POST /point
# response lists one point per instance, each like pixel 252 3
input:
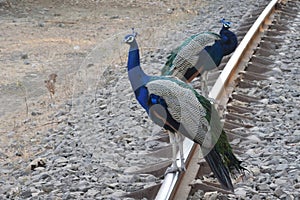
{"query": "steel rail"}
pixel 220 92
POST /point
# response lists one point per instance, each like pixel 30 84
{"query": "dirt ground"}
pixel 39 38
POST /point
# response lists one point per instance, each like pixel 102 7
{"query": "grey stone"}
pixel 170 10
pixel 26 62
pixel 48 187
pixel 297 186
pixel 41 24
pixel 256 197
pixel 24 56
pixel 255 170
pixel 240 192
pixel 103 106
pixel 26 194
pixel 285 197
pixel 254 138
pixel 263 187
pixel 282 167
pixel 273 186
pixel 92 192
pixel 61 25
pixel 211 195
pixel 44 176
pixel 35 113
pixel 278 192
pixel 279 174
pixel 128 178
pixel 83 186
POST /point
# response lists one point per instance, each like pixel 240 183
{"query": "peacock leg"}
pixel 204 87
pixel 174 167
pixel 179 139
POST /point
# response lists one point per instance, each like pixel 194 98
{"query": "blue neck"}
pixel 137 77
pixel 136 74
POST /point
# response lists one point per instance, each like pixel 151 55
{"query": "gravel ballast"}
pixel 104 133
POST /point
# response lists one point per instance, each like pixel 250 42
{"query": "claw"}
pixel 172 169
pixel 182 167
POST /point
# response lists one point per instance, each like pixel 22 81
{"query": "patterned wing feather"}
pixel 183 106
pixel 187 55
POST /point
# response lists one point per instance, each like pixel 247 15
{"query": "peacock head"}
pixel 130 38
pixel 226 24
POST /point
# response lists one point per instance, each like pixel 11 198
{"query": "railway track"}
pixel 249 64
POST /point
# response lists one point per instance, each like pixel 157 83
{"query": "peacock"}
pixel 178 108
pixel 199 53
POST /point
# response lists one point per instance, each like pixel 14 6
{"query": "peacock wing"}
pixel 189 53
pixel 183 106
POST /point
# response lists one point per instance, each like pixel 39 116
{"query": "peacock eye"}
pixel 130 39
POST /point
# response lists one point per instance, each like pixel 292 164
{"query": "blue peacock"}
pixel 177 107
pixel 199 53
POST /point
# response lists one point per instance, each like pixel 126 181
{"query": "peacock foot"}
pixel 182 168
pixel 174 169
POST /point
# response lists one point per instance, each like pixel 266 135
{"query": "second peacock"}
pixel 200 53
pixel 177 107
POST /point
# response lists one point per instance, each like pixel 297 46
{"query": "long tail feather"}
pixel 224 148
pixel 221 172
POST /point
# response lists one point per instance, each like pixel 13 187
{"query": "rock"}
pixel 26 194
pixel 48 187
pixel 35 113
pixel 266 169
pixel 3 155
pixel 102 107
pixel 278 192
pixel 107 191
pixel 254 138
pixel 24 56
pixel 114 17
pixel 83 186
pixel 280 181
pixel 240 192
pixel 92 192
pixel 66 196
pixel 255 170
pixel 282 167
pixel 18 153
pixel 38 162
pixel 44 176
pixel 5 188
pixel 293 139
pixel 170 10
pixel 273 186
pixel 297 186
pixel 211 195
pixel 222 197
pixel 128 178
pixel 263 187
pixel 61 161
pixel 235 141
pixel 256 197
pixel 26 62
pixel 285 197
pixel 41 24
pixel 279 174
